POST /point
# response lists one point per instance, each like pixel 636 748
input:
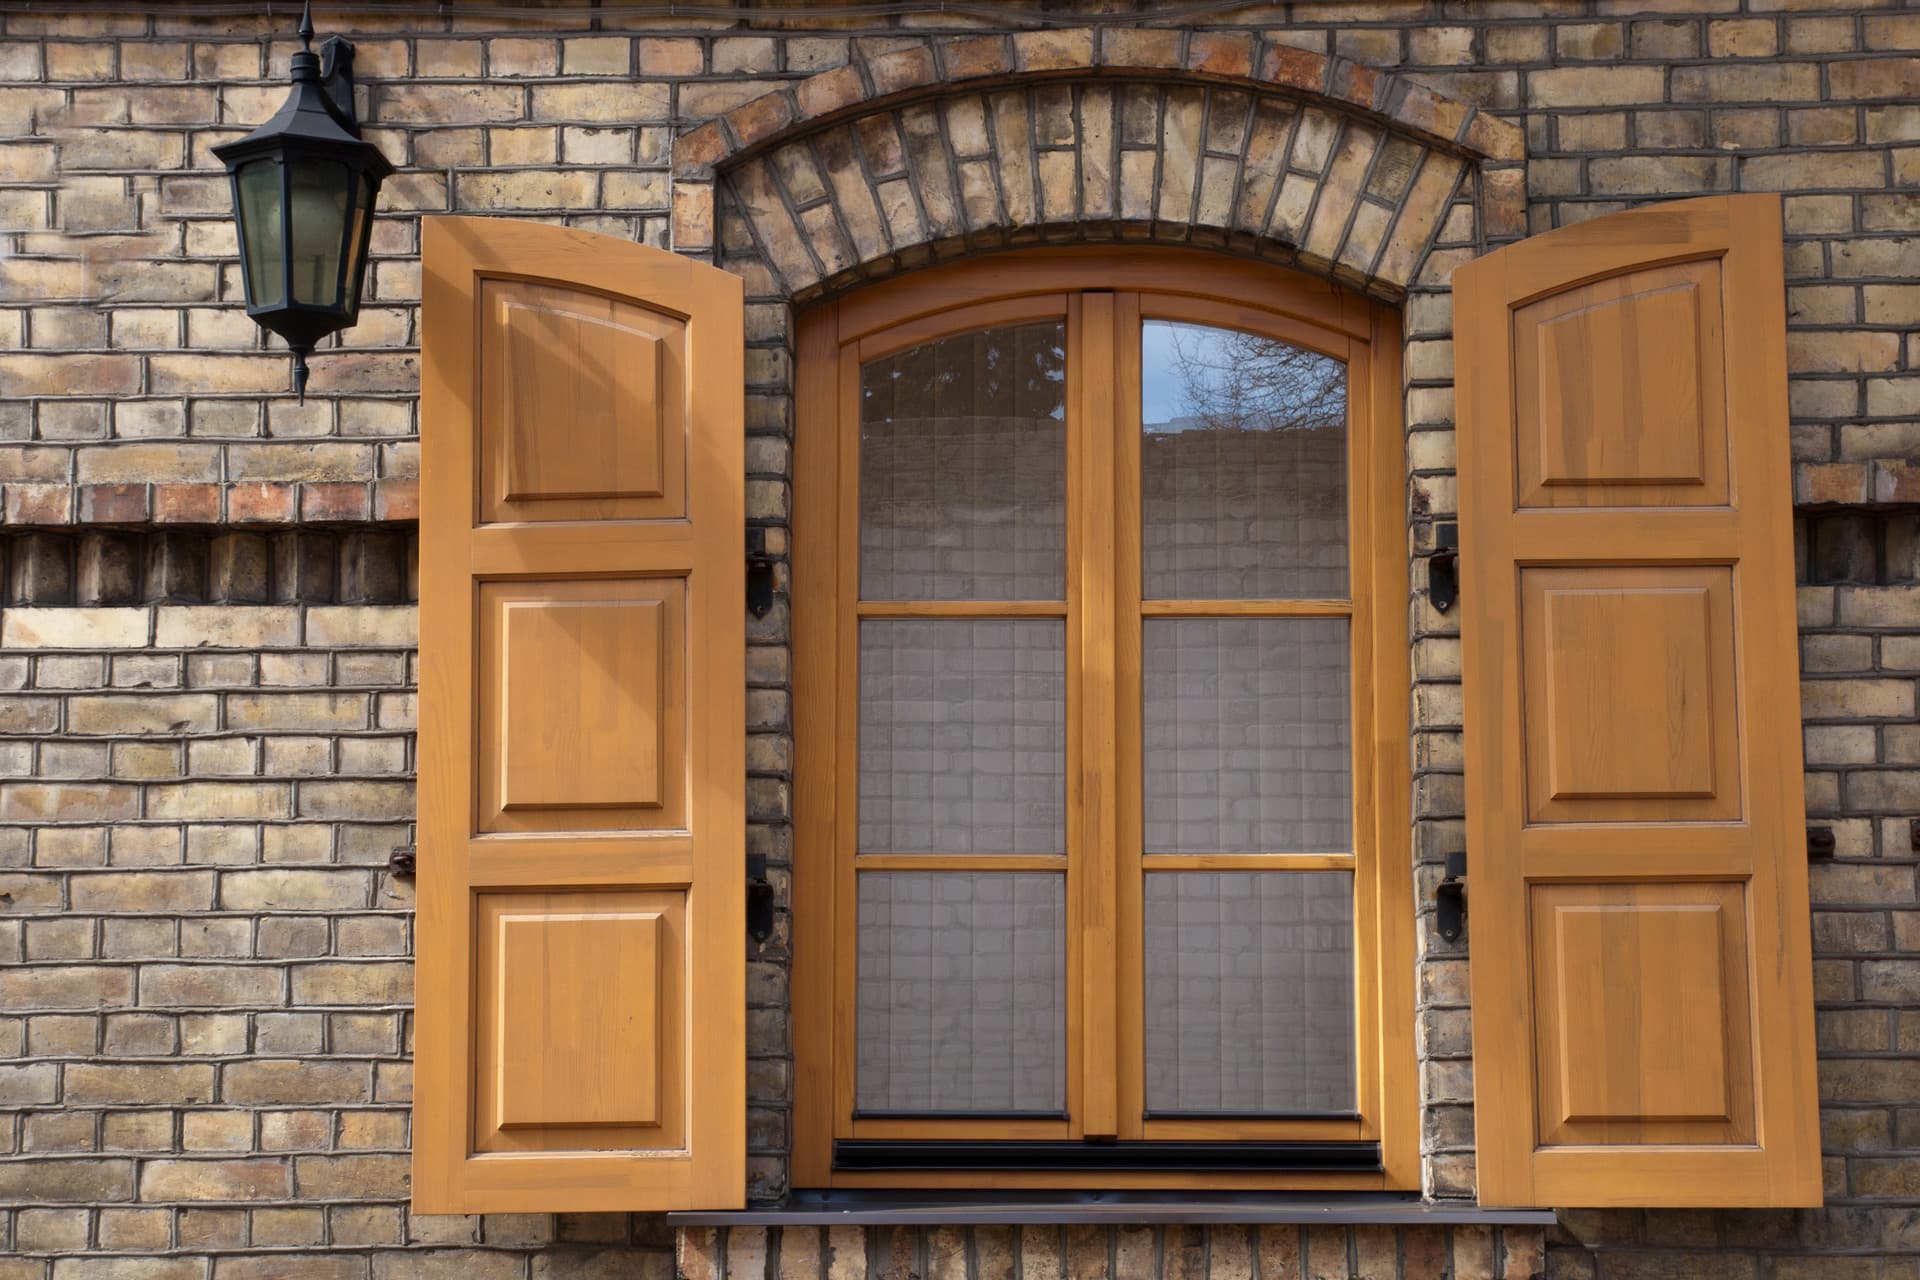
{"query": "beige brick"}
pixel 293 890
pixel 1856 699
pixel 347 984
pixel 73 628
pixel 223 800
pixel 88 1084
pixel 209 986
pixel 226 627
pixel 1595 86
pixel 143 891
pixel 277 711
pixel 367 626
pixel 295 1082
pixel 352 1177
pixel 192 1180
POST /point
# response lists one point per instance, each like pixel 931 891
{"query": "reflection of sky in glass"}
pixel 1163 397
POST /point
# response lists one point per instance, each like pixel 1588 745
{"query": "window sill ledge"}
pixel 868 1208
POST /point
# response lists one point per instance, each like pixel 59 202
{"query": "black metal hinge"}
pixel 759 898
pixel 1443 566
pixel 759 573
pixel 402 860
pixel 1450 898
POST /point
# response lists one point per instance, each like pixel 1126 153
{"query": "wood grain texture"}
pixel 1642 974
pixel 582 757
pixel 1103 296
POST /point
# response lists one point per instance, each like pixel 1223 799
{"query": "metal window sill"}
pixel 1132 1208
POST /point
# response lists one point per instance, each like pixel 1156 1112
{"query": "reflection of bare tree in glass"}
pixel 1236 381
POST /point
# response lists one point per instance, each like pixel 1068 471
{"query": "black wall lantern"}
pixel 304 186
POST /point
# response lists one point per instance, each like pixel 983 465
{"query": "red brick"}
pixel 1295 68
pixel 39 504
pixel 333 502
pixel 975 56
pixel 761 118
pixel 901 70
pixel 695 150
pixel 262 501
pixel 1830 482
pixel 830 91
pixel 186 503
pixel 1896 480
pixel 1220 53
pixel 113 503
pixel 1354 83
pixel 396 500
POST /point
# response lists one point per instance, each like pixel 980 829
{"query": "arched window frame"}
pixel 1094 287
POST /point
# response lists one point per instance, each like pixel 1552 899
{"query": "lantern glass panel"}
pixel 317 229
pixel 357 244
pixel 260 225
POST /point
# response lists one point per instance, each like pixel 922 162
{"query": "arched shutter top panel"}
pixel 581 1008
pixel 1636 827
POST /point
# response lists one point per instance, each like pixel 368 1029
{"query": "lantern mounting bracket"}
pixel 336 78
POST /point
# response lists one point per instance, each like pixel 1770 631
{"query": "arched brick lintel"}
pixel 1216 138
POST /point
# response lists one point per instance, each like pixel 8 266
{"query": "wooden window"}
pixel 581 1036
pixel 1642 972
pixel 1101 707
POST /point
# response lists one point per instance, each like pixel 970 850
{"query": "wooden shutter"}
pixel 581 1006
pixel 1636 827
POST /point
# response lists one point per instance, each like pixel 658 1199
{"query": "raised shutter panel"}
pixel 1636 826
pixel 580 1037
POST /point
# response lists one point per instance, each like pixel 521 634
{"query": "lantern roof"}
pixel 308 119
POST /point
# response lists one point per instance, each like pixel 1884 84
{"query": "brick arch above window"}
pixel 1224 140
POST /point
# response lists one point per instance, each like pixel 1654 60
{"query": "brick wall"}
pixel 204 644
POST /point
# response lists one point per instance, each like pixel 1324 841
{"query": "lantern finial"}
pixel 306 25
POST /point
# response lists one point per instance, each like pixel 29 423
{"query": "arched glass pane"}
pixel 1243 468
pixel 963 468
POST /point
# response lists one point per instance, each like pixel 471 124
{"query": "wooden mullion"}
pixel 961 609
pixel 969 862
pixel 1246 608
pixel 1094 784
pixel 1249 862
pixel 1129 969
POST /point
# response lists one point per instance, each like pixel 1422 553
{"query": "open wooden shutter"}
pixel 1636 827
pixel 581 1006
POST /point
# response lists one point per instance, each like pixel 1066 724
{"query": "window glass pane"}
pixel 1248 741
pixel 1243 467
pixel 963 736
pixel 961 992
pixel 1249 992
pixel 963 468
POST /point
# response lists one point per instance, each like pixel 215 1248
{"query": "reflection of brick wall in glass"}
pixel 1249 992
pixel 1243 467
pixel 962 736
pixel 1248 736
pixel 961 992
pixel 963 468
